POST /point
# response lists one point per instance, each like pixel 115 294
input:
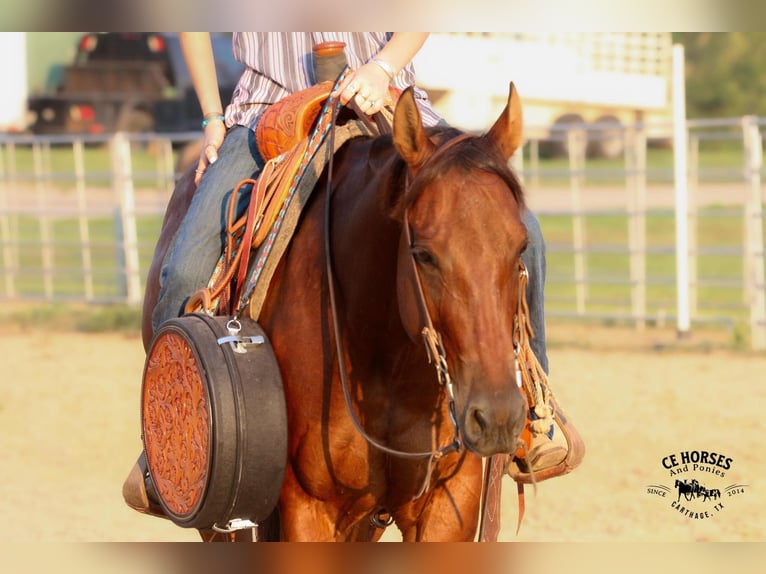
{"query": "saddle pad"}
pixel 270 251
pixel 214 421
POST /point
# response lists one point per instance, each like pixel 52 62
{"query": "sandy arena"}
pixel 69 428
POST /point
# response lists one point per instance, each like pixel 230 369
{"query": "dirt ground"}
pixel 69 433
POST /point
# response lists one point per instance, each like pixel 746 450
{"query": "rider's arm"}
pixel 401 49
pixel 368 85
pixel 198 53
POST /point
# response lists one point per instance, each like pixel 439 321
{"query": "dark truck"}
pixel 134 82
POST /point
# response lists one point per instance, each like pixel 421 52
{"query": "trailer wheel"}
pixel 556 145
pixel 606 139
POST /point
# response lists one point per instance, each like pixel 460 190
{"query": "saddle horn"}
pixel 329 60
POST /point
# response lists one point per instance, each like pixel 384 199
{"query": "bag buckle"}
pixel 239 343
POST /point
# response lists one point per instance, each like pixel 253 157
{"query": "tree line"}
pixel 725 73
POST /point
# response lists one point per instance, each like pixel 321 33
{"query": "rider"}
pixel 276 65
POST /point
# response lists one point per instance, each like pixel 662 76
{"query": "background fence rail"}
pixel 79 217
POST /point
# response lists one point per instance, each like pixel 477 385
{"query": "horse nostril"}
pixel 481 422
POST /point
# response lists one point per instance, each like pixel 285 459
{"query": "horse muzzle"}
pixel 492 422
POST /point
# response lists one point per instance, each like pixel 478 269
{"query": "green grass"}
pixel 719 264
pixel 65 250
pixel 607 263
pixel 82 318
pixel 719 293
pixel 721 161
pixel 57 162
pixel 718 162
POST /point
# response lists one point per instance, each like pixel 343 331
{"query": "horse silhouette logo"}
pixel 694 489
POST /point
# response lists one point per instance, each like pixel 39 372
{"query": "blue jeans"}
pixel 534 260
pixel 199 241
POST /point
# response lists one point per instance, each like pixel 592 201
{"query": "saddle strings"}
pixel 530 371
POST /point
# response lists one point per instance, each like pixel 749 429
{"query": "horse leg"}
pixel 302 517
pixel 451 512
pixel 269 530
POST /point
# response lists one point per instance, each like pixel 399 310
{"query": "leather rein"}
pixel 434 348
pixel 431 337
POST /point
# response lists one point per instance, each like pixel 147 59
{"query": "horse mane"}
pixel 473 154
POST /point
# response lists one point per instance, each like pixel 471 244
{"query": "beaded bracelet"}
pixel 207 120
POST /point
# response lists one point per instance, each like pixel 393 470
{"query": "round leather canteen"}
pixel 214 421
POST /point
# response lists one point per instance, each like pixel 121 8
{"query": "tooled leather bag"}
pixel 214 422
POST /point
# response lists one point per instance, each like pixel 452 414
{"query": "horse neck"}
pixel 365 240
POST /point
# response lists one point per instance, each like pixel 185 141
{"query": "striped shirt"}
pixel 278 64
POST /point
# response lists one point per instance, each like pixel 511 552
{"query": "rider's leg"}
pixel 535 262
pixel 547 450
pixel 198 244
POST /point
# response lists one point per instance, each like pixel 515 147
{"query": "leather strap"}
pixel 489 525
pixel 257 199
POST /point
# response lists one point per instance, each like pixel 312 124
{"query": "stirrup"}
pixel 519 471
pixel 138 490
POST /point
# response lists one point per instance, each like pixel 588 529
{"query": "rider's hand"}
pixel 213 138
pixel 368 86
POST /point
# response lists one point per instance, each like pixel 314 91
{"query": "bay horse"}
pixel 425 226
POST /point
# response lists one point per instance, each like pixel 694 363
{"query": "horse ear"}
pixel 410 137
pixel 507 132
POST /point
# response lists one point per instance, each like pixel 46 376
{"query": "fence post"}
pixel 534 161
pixel 5 225
pixel 693 182
pixel 516 164
pixel 42 180
pixel 165 168
pixel 635 158
pixel 576 144
pixel 125 220
pixel 680 135
pixel 755 286
pixel 78 151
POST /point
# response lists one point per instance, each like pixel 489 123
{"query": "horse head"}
pixel 459 264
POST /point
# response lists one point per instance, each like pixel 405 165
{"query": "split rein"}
pixel 434 347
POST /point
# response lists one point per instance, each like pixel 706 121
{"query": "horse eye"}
pixel 424 257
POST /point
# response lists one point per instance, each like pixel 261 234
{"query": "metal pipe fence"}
pixel 79 217
pixel 592 210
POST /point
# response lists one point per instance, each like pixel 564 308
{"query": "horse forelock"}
pixel 470 155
